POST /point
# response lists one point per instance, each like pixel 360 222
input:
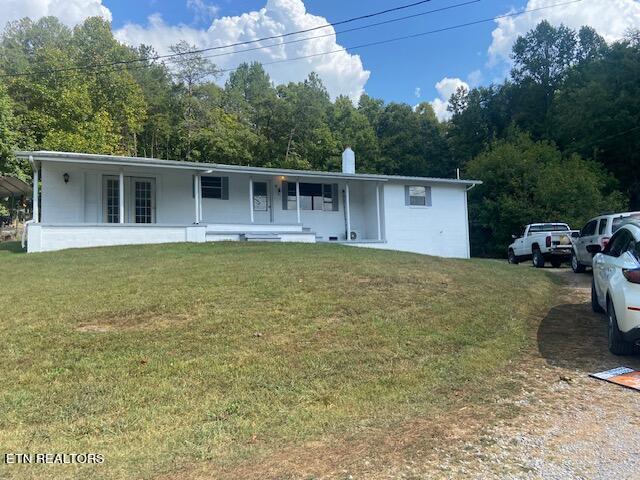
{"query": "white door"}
pixel 588 236
pixel 140 204
pixel 262 202
pixel 139 199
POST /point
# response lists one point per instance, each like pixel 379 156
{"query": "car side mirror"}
pixel 514 237
pixel 593 249
pixel 575 234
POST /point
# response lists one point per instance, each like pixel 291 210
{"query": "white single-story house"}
pixel 92 200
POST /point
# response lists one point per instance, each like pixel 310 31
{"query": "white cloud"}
pixel 70 12
pixel 475 78
pixel 342 73
pixel 445 88
pixel 610 18
pixel 203 11
pixel 417 92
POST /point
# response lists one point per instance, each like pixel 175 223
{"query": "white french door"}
pixel 139 199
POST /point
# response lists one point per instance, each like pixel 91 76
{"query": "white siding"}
pixel 439 230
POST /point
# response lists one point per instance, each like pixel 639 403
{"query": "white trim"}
pixel 199 198
pixel 298 200
pixel 378 211
pixel 251 199
pixel 195 199
pixel 35 207
pixel 86 158
pixel 347 208
pixel 121 197
pixel 466 223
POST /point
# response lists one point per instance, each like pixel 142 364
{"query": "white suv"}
pixel 616 288
pixel 594 237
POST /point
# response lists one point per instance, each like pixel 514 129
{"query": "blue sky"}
pixel 429 68
pixel 396 69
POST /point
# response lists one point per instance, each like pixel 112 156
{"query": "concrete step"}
pixel 260 237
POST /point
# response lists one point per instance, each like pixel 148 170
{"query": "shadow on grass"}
pixel 11 247
pixel 572 336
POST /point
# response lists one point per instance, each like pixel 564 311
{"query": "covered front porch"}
pixel 114 202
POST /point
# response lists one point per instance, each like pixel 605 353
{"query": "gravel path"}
pixel 568 425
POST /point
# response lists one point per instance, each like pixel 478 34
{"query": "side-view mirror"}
pixel 514 236
pixel 593 249
pixel 575 234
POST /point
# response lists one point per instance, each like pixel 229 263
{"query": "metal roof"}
pixel 11 186
pixel 90 158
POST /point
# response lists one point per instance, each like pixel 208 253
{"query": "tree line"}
pixel 558 140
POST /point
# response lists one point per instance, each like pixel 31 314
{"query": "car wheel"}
pixel 617 345
pixel 511 258
pixel 595 306
pixel 556 263
pixel 576 266
pixel 538 259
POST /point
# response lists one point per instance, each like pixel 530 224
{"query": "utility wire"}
pixel 354 29
pixel 237 44
pixel 370 44
pixel 412 36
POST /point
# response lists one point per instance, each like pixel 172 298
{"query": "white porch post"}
pixel 251 199
pixel 196 198
pixel 298 200
pixel 35 206
pixel 199 198
pixel 378 211
pixel 347 210
pixel 121 197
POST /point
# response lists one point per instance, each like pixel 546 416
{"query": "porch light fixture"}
pixel 66 177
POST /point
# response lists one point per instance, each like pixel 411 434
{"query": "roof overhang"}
pixel 89 158
pixel 12 186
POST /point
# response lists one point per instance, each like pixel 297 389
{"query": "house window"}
pixel 112 212
pixel 215 187
pixel 313 196
pixel 417 196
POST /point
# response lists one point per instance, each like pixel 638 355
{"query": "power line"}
pixel 415 35
pixel 376 43
pixel 354 29
pixel 237 44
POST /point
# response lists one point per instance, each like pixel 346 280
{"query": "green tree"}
pixel 8 137
pixel 191 71
pixel 352 128
pixel 597 114
pixel 526 181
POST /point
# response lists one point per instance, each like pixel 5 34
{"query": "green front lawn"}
pixel 171 359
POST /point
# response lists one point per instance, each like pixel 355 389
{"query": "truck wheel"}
pixel 595 306
pixel 511 258
pixel 538 259
pixel 556 263
pixel 617 345
pixel 576 266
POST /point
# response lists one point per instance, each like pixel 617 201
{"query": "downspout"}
pixel 466 212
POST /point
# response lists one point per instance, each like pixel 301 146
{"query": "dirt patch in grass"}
pixel 110 322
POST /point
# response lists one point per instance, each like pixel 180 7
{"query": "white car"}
pixel 616 288
pixel 594 237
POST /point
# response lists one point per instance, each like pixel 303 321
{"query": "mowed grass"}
pixel 170 358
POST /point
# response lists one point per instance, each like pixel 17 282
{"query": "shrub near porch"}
pixel 197 355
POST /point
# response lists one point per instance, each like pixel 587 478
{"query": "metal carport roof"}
pixel 12 186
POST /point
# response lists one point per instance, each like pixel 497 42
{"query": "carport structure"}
pixel 14 191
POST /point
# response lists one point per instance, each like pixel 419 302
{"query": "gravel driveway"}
pixel 568 425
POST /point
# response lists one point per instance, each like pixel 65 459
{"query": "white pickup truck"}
pixel 542 242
